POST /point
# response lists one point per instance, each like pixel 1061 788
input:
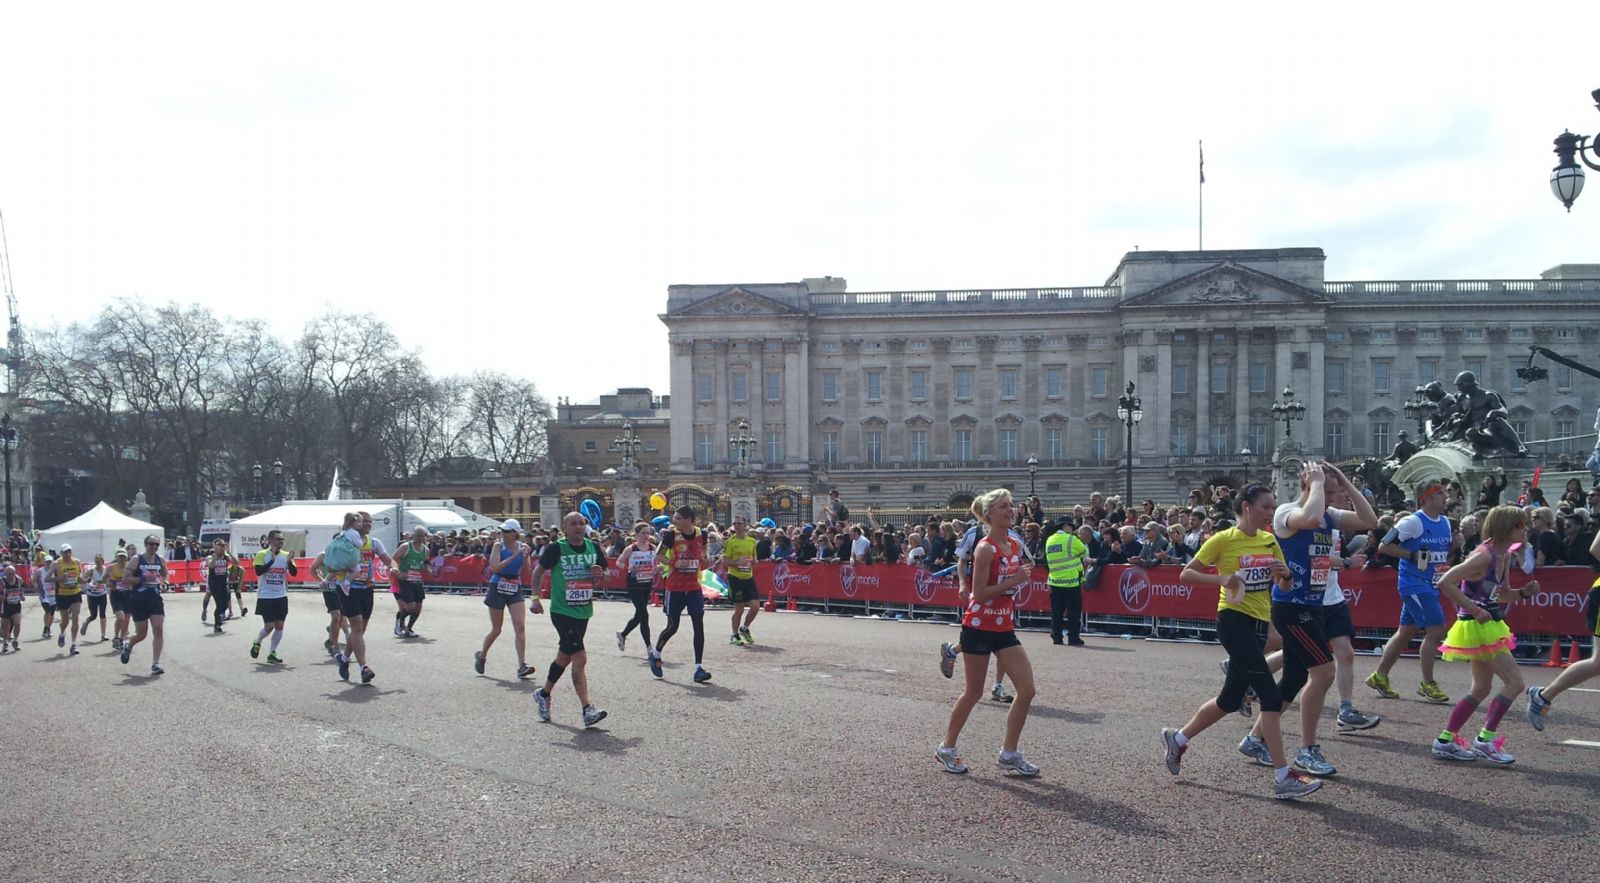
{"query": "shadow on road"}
pixel 1062 714
pixel 1477 812
pixel 713 691
pixel 130 679
pixel 54 657
pixel 518 685
pixel 1082 806
pixel 596 741
pixel 267 668
pixel 359 693
pixel 761 648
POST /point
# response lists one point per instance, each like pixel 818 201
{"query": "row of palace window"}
pixel 1007 448
pixel 1010 380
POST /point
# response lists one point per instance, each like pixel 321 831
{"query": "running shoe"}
pixel 47 631
pixel 61 639
pixel 998 691
pixel 655 665
pixel 1429 691
pixel 1247 705
pixel 951 760
pixel 255 650
pixel 328 646
pixel 1014 762
pixel 116 643
pixel 408 633
pixel 1493 751
pixel 1169 738
pixel 622 642
pixel 244 611
pixel 5 647
pixel 541 704
pixel 1296 785
pixel 367 674
pixel 524 670
pixel 592 716
pixel 1309 759
pixel 273 657
pixel 1452 750
pixel 1353 720
pixel 477 661
pixel 127 651
pixel 344 665
pixel 156 669
pixel 74 649
pixel 701 675
pixel 947 659
pixel 1223 664
pixel 1538 708
pixel 736 641
pixel 16 646
pixel 1380 682
pixel 84 630
pixel 397 629
pixel 1256 750
pixel 749 640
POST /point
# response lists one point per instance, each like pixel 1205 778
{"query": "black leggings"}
pixel 697 618
pixel 641 613
pixel 220 596
pixel 1243 637
pixel 97 608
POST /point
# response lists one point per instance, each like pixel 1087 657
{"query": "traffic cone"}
pixel 655 598
pixel 793 604
pixel 771 605
pixel 1555 654
pixel 1574 656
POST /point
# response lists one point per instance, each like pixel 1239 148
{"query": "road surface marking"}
pixel 1580 743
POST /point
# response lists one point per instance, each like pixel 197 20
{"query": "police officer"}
pixel 1066 555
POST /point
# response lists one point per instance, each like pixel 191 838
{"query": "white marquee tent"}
pixel 307 525
pixel 97 531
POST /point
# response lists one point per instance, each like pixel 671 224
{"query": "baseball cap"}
pixel 511 524
pixel 66 547
pixel 1152 525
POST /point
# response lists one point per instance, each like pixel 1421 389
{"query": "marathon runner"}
pixel 95 591
pixel 44 580
pixel 1421 541
pixel 1539 698
pixel 68 573
pixel 273 569
pixel 509 557
pixel 639 557
pixel 217 565
pixel 118 574
pixel 148 571
pixel 236 584
pixel 331 602
pixel 411 562
pixel 13 590
pixel 576 565
pixel 948 652
pixel 739 554
pixel 356 604
pixel 683 552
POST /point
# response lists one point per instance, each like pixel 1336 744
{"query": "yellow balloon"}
pixel 658 502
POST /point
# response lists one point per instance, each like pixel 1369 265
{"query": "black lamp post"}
pixel 1566 179
pixel 1130 412
pixel 8 437
pixel 1419 409
pixel 628 444
pixel 277 482
pixel 742 441
pixel 255 497
pixel 1289 410
pixel 1033 471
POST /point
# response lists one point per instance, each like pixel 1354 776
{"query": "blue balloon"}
pixel 590 510
pixel 661 522
pixel 769 524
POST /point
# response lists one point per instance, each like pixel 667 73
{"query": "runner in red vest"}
pixel 683 553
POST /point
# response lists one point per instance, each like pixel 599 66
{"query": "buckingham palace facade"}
pixel 921 398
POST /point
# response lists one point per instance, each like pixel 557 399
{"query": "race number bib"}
pixel 1256 571
pixel 1320 567
pixel 580 591
pixel 686 565
pixel 1432 563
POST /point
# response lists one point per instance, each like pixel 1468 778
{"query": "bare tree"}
pixel 505 420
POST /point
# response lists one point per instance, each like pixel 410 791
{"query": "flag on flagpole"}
pixel 1202 162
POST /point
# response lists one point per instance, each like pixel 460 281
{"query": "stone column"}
pixel 1241 394
pixel 1161 441
pixel 719 433
pixel 683 402
pixel 796 405
pixel 1316 389
pixel 1202 397
pixel 756 389
pixel 626 508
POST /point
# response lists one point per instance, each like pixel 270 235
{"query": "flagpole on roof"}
pixel 1202 196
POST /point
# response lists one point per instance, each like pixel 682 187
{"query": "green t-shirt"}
pixel 735 550
pixel 571 584
pixel 412 560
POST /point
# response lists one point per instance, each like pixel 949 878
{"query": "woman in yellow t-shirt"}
pixel 1247 561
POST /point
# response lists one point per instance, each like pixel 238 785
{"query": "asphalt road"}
pixel 808 757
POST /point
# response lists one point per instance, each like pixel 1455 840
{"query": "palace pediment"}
pixel 736 303
pixel 1229 285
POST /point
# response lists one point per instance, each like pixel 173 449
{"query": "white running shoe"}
pixel 1493 751
pixel 1014 762
pixel 950 758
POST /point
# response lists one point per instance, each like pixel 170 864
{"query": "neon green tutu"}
pixel 1470 639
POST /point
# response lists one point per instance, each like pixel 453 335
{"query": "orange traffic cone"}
pixel 1574 656
pixel 771 605
pixel 655 599
pixel 793 604
pixel 1555 654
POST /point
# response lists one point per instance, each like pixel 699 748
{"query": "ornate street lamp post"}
pixel 1033 471
pixel 741 442
pixel 1419 409
pixel 255 496
pixel 1289 410
pixel 627 444
pixel 1566 179
pixel 1130 411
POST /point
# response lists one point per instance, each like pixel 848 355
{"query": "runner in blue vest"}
pixel 1421 541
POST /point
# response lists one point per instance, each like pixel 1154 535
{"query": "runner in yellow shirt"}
pixel 68 572
pixel 739 553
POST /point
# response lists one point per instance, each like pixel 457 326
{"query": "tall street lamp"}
pixel 255 495
pixel 1419 409
pixel 277 482
pixel 1566 179
pixel 627 444
pixel 1289 410
pixel 8 437
pixel 741 442
pixel 1130 412
pixel 1033 471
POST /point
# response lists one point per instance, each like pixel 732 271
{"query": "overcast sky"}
pixel 554 167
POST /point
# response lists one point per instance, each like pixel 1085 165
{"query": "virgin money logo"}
pixel 1023 592
pixel 784 579
pixel 928 585
pixel 847 579
pixel 1135 589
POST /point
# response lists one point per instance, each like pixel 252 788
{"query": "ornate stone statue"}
pixel 1403 449
pixel 1446 423
pixel 1483 414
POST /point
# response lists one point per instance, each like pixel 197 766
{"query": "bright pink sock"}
pixel 1497 710
pixel 1461 713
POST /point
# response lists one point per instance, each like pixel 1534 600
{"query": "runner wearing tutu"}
pixel 1481 637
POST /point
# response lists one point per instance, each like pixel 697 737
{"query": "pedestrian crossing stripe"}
pixel 1579 743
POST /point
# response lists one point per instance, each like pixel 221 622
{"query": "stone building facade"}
pixel 922 398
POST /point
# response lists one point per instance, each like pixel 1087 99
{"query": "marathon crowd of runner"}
pixel 1275 568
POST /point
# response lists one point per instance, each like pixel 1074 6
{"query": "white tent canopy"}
pixel 309 524
pixel 97 531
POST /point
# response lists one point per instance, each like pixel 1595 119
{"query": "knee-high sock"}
pixel 1461 713
pixel 277 635
pixel 1497 710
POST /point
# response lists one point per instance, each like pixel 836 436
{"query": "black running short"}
pixel 49 606
pixel 357 603
pixel 412 592
pixel 273 609
pixel 1336 622
pixel 569 633
pixel 119 601
pixel 1300 625
pixel 65 601
pixel 330 600
pixel 981 643
pixel 742 590
pixel 496 599
pixel 12 608
pixel 145 604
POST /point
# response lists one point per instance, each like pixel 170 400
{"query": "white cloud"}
pixel 514 186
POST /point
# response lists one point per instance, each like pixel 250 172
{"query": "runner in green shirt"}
pixel 576 565
pixel 739 554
